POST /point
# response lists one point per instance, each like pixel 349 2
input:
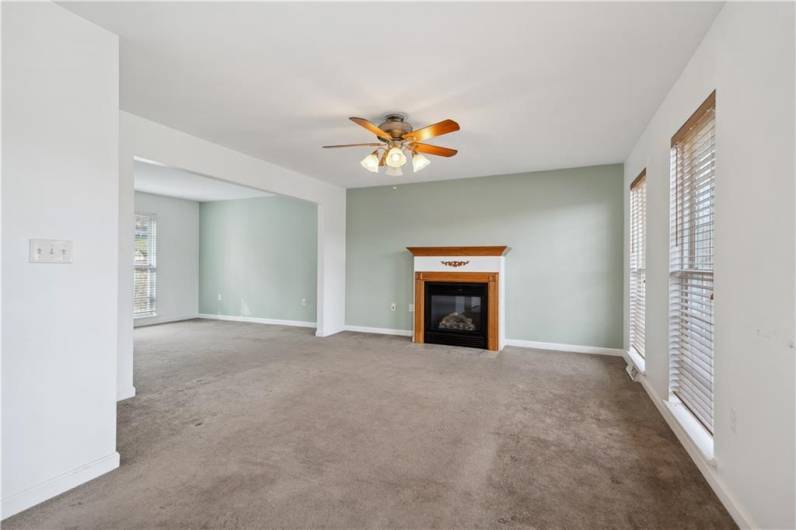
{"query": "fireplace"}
pixel 459 296
pixel 456 314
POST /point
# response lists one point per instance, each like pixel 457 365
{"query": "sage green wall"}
pixel 260 255
pixel 564 269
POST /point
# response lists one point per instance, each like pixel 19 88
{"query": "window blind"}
pixel 638 265
pixel 145 266
pixel 691 262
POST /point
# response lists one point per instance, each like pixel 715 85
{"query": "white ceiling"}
pixel 182 184
pixel 533 85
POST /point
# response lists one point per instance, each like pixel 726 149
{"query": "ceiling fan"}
pixel 396 139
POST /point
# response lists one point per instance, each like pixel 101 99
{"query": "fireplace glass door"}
pixel 456 314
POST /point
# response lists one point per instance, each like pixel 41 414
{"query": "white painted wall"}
pixel 60 146
pixel 177 257
pixel 748 57
pixel 173 182
pixel 153 141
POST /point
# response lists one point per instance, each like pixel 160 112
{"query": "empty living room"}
pixel 407 265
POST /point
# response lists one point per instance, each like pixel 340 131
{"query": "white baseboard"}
pixel 708 467
pixel 321 333
pixel 564 347
pixel 125 393
pixel 509 342
pixel 258 320
pixel 153 321
pixel 380 331
pixel 25 499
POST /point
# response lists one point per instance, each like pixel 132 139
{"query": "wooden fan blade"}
pixel 437 129
pixel 351 145
pixel 362 122
pixel 434 150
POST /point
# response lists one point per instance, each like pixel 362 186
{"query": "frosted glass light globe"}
pixel 395 157
pixel 419 162
pixel 371 163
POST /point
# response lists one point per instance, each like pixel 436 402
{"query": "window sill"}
pixel 695 431
pixel 633 357
pixel 144 315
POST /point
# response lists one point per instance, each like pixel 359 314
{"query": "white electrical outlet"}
pixel 219 297
pixel 411 308
pixel 393 307
pixel 50 251
pixel 303 301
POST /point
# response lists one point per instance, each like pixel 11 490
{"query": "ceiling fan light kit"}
pixel 419 162
pixel 397 138
pixel 396 157
pixel 371 162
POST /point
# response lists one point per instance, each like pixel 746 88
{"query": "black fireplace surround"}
pixel 456 314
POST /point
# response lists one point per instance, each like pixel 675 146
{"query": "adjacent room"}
pixel 398 265
pixel 210 248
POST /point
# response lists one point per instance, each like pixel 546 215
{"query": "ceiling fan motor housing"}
pixel 395 123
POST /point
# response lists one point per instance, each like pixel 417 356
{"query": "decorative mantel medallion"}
pixel 455 263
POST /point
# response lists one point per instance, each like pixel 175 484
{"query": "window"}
pixel 691 263
pixel 145 266
pixel 638 259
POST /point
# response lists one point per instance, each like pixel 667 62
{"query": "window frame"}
pixel 691 265
pixel 637 265
pixel 150 267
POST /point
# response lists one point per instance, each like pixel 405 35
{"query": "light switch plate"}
pixel 50 251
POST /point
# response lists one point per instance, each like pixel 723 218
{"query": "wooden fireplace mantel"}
pixel 497 250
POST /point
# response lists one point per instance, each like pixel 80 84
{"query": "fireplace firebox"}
pixel 456 313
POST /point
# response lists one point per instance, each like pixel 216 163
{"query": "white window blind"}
pixel 691 263
pixel 638 265
pixel 145 266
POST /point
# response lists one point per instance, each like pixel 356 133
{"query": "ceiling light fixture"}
pixel 419 162
pixel 395 157
pixel 371 162
pixel 396 138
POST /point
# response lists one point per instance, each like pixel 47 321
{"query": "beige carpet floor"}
pixel 251 426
